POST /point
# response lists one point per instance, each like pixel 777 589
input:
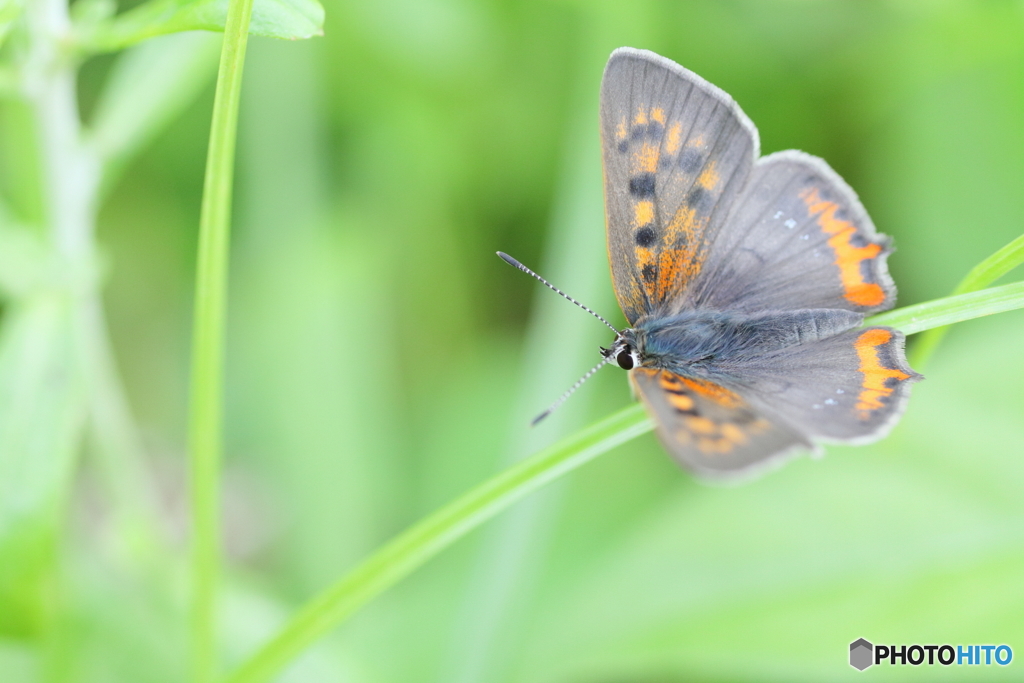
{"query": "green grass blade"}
pixel 952 309
pixel 205 409
pixel 424 540
pixel 435 533
pixel 982 275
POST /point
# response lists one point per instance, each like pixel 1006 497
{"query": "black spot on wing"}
pixel 857 240
pixel 649 273
pixel 690 160
pixel 645 236
pixel 642 185
pixel 699 199
pixel 652 130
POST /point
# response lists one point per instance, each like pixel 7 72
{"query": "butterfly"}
pixel 745 280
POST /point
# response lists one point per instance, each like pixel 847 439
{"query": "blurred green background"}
pixel 382 360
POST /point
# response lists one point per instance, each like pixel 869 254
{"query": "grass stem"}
pixel 428 537
pixel 982 275
pixel 931 315
pixel 206 391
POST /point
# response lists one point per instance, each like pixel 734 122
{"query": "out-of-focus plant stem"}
pixel 206 409
pixel 71 174
pixel 982 275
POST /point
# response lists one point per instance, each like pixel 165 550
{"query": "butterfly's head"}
pixel 623 350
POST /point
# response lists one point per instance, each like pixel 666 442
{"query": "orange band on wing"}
pixel 675 138
pixel 848 256
pixel 680 259
pixel 667 256
pixel 709 435
pixel 645 159
pixel 643 213
pixel 670 268
pixel 714 392
pixel 709 177
pixel 621 131
pixel 875 374
pixel 669 381
pixel 680 402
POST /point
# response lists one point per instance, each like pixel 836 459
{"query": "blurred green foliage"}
pixel 382 360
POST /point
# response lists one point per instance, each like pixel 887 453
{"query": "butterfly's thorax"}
pixel 716 344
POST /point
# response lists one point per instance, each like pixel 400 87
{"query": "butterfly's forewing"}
pixel 710 429
pixel 849 387
pixel 798 238
pixel 676 152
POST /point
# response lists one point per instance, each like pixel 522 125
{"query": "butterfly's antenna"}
pixel 573 388
pixel 512 262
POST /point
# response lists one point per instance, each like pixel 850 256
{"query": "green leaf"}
pixel 42 409
pixel 292 19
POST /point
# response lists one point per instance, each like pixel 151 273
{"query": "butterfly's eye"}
pixel 625 358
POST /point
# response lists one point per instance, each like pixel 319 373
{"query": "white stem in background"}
pixel 70 174
pixel 70 171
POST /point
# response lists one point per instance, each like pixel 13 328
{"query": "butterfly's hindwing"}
pixel 710 429
pixel 850 387
pixel 676 151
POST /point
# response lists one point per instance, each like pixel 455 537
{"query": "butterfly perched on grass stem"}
pixel 745 280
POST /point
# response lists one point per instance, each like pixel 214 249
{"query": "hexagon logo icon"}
pixel 861 654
